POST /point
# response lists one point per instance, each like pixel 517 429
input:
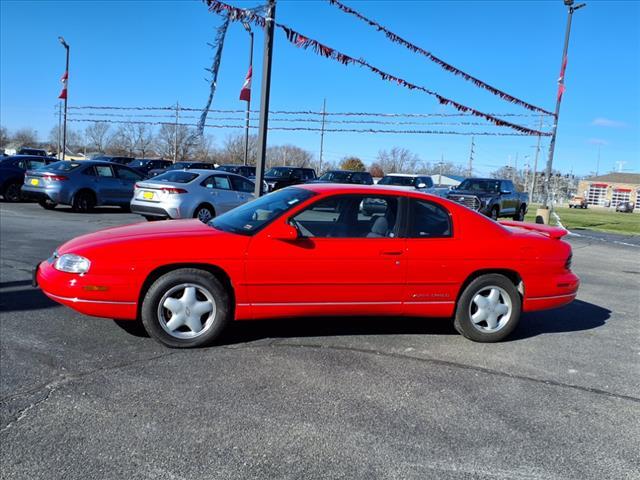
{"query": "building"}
pixel 611 189
pixel 446 180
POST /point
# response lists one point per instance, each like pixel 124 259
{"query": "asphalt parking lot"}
pixel 80 398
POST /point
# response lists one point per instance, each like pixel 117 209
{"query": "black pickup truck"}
pixel 492 197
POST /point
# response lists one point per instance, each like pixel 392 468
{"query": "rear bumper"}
pixel 69 290
pixel 149 210
pixel 40 194
pixel 566 289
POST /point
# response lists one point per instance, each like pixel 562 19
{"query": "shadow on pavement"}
pixel 97 210
pixel 24 299
pixel 16 283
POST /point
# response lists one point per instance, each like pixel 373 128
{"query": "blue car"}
pixel 12 170
pixel 83 185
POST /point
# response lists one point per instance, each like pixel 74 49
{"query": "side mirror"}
pixel 283 231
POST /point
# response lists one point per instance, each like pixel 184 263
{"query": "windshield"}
pixel 393 180
pixel 178 166
pixel 175 177
pixel 480 185
pixel 138 163
pixel 334 176
pixel 278 172
pixel 62 166
pixel 253 216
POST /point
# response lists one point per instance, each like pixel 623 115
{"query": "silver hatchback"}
pixel 201 194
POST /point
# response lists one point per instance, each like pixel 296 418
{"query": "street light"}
pixel 552 144
pixel 66 73
pixel 247 27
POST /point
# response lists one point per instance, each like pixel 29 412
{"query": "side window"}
pixel 21 164
pixel 104 171
pixel 89 171
pixel 356 178
pixel 349 216
pixel 217 181
pixel 127 174
pixel 241 185
pixel 428 220
pixel 34 163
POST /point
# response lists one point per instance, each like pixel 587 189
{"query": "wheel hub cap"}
pixel 490 309
pixel 186 311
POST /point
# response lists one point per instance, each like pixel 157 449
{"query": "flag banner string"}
pixel 310 129
pixel 304 42
pixel 448 67
pixel 297 112
pixel 293 120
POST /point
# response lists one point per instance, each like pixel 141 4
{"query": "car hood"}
pixel 141 233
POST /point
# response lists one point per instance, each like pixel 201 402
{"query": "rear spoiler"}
pixel 551 232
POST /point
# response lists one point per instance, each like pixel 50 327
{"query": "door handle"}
pixel 391 253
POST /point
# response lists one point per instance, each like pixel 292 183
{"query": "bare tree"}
pixel 288 155
pixel 376 170
pixel 124 140
pixel 4 137
pixel 25 137
pixel 75 140
pixel 144 139
pixel 398 160
pixel 233 150
pixel 97 136
pixel 204 150
pixel 181 140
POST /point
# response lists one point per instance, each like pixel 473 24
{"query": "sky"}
pixel 154 53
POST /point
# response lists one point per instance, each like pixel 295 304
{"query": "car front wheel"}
pixel 488 309
pixel 12 193
pixel 186 308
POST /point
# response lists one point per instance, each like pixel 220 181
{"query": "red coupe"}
pixel 316 250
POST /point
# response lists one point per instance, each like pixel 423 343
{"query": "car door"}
pixel 344 261
pixel 107 185
pixel 128 179
pixel 508 199
pixel 243 188
pixel 432 259
pixel 220 192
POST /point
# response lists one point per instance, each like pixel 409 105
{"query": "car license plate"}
pixel 147 195
pixel 35 181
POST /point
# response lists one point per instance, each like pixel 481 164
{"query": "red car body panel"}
pixel 318 276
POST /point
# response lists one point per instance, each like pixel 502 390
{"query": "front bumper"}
pixel 72 291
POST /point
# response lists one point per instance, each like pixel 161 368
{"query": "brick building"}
pixel 611 189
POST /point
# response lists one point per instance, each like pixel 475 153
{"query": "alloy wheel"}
pixel 490 309
pixel 186 311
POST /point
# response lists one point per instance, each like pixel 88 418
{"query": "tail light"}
pixel 55 178
pixel 173 190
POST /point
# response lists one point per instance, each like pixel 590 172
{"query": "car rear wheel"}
pixel 186 308
pixel 12 193
pixel 519 216
pixel 204 213
pixel 83 202
pixel 489 309
pixel 47 204
pixel 495 211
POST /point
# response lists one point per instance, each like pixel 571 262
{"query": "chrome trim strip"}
pixel 553 297
pixel 319 304
pixel 80 300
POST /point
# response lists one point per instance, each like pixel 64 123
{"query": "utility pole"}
pixel 59 128
pixel 66 97
pixel 552 144
pixel 515 171
pixel 535 164
pixel 175 135
pixel 247 27
pixel 264 96
pixel 470 174
pixel 324 113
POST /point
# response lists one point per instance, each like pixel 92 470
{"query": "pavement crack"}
pixel 462 366
pixel 23 413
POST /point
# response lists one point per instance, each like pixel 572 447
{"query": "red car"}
pixel 313 250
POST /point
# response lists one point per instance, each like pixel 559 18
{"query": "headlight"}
pixel 71 263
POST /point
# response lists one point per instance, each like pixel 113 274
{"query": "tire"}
pixel 12 192
pixel 519 216
pixel 204 213
pixel 83 202
pixel 176 295
pixel 495 212
pixel 490 326
pixel 47 204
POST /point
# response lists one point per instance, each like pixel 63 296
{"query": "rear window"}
pixel 63 166
pixel 176 176
pixel 393 180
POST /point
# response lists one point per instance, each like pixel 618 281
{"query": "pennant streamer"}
pixel 305 42
pixel 448 67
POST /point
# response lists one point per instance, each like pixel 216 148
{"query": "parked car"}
pixel 247 171
pixel 119 160
pixel 578 202
pixel 345 176
pixel 200 194
pixel 405 181
pixel 12 170
pixel 34 152
pixel 280 177
pixel 181 166
pixel 145 165
pixel 308 251
pixel 625 207
pixel 83 185
pixel 492 197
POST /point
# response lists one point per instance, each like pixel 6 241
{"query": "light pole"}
pixel 66 96
pixel 247 27
pixel 563 65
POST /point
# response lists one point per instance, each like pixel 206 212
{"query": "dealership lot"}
pixel 317 398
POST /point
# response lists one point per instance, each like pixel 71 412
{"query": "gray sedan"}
pixel 201 194
pixel 83 185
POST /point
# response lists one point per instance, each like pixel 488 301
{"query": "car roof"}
pixel 348 188
pixel 410 175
